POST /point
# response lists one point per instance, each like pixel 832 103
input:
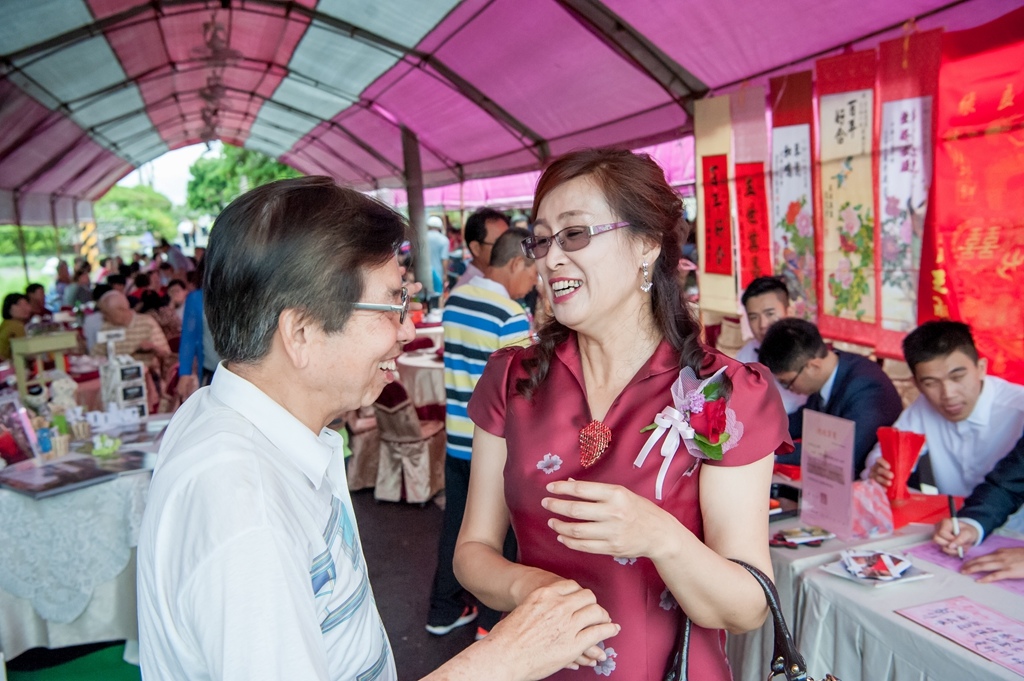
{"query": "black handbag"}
pixel 786 660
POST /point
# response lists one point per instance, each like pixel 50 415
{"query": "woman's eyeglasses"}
pixel 569 239
pixel 402 309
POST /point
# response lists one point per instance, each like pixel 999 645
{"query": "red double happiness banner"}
pixel 718 229
pixel 755 233
pixel 973 252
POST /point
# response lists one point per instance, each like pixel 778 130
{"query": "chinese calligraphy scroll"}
pixel 717 224
pixel 908 78
pixel 793 236
pixel 847 246
pixel 750 148
pixel 713 137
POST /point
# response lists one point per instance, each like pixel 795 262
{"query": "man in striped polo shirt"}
pixel 480 317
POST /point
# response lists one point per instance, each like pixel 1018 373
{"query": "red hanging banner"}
pixel 755 235
pixel 974 248
pixel 718 234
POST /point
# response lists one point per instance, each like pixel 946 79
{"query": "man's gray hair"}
pixel 292 244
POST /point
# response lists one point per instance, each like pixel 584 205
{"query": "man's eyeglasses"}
pixel 402 309
pixel 790 382
pixel 569 239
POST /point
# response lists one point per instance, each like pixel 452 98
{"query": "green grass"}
pixel 12 273
pixel 103 665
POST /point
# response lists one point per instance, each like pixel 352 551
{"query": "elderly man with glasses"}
pixel 250 562
pixel 837 383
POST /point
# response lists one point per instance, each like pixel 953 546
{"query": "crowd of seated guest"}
pixel 146 297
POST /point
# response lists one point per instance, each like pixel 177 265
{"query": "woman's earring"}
pixel 648 284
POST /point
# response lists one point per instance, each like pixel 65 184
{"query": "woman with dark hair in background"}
pixel 563 429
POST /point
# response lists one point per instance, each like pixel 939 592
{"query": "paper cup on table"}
pixel 61 444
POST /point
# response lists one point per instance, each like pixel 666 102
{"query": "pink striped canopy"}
pixel 90 89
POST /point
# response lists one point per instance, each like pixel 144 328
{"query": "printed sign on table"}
pixel 982 630
pixel 931 552
pixel 826 471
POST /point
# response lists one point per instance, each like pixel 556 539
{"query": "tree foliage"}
pixel 135 210
pixel 217 180
pixel 38 240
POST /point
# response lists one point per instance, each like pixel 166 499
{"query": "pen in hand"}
pixel 956 525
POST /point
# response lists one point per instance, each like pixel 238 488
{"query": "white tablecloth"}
pixel 434 333
pixel 422 374
pixel 66 568
pixel 852 631
pixel 749 653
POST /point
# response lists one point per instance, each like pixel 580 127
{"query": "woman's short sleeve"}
pixel 489 402
pixel 758 410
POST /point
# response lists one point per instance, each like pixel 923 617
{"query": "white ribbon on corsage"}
pixel 673 425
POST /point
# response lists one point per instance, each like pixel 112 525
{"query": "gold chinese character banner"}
pixel 973 253
pixel 847 248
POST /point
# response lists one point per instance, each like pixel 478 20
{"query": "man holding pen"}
pixel 988 507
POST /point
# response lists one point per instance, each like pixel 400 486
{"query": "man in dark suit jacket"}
pixel 838 383
pixel 988 507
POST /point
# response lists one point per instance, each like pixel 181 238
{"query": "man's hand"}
pixel 187 385
pixel 881 473
pixel 556 626
pixel 949 542
pixel 1000 564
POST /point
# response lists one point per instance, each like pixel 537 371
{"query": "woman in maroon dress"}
pixel 645 517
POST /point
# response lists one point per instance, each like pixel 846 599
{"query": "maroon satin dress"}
pixel 542 436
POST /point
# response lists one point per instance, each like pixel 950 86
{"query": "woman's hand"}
pixel 606 519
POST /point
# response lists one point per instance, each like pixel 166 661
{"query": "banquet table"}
pixel 434 333
pixel 67 568
pixel 422 374
pixel 749 653
pixel 852 630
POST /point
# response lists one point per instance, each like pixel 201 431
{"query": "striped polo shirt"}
pixel 479 318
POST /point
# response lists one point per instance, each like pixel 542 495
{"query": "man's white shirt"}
pixel 250 564
pixel 963 453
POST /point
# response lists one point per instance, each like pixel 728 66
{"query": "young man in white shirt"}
pixel 250 563
pixel 766 301
pixel 970 420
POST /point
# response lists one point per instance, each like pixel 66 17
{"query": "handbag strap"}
pixel 786 659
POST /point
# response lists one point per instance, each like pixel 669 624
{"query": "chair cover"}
pixel 364 441
pixel 411 452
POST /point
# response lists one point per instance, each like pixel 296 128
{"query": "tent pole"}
pixel 417 217
pixel 24 257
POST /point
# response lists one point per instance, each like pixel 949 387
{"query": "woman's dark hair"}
pixel 10 300
pixel 635 188
pixel 151 300
pixel 300 244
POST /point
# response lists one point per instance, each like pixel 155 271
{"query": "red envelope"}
pixel 900 449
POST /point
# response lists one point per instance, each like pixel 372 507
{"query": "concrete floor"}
pixel 400 544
